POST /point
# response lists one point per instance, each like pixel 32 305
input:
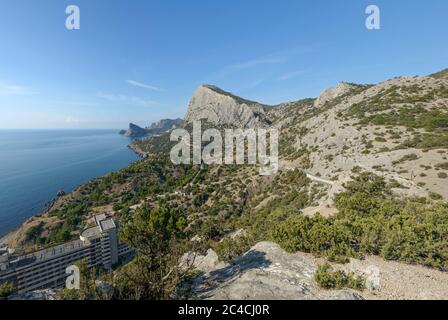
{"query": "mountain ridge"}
pixel 335 115
pixel 155 128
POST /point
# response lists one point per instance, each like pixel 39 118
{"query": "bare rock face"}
pixel 135 131
pixel 204 263
pixel 266 272
pixel 340 89
pixel 222 108
pixel 164 125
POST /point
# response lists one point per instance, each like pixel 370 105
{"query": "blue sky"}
pixel 141 60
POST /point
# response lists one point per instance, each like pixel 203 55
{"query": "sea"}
pixel 36 164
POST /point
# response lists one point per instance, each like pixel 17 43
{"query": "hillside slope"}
pixel 397 129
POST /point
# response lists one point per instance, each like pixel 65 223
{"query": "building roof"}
pixel 103 224
pixel 98 218
pixel 46 254
pixel 106 225
pixel 91 233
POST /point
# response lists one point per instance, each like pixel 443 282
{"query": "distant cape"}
pixel 158 127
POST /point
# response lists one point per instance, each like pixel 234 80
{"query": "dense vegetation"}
pixel 370 221
pixel 156 234
pixel 119 190
pixel 156 273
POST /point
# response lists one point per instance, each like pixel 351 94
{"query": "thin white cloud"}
pixel 251 85
pixel 257 62
pixel 271 59
pixel 145 86
pixel 73 103
pixel 126 100
pixel 15 90
pixel 291 75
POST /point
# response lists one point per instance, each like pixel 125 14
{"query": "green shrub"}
pixel 6 289
pixel 442 166
pixel 408 157
pixel 421 184
pixel 442 175
pixel 435 196
pixel 34 233
pixel 328 279
pixel 229 248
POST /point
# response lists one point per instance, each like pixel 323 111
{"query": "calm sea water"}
pixel 36 164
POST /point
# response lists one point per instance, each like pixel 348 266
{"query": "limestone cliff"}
pixel 135 131
pixel 223 108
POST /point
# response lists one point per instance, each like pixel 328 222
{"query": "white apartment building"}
pixel 46 268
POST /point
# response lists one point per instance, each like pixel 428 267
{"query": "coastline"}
pixel 137 150
pixel 15 230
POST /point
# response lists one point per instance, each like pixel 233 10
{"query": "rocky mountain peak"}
pixel 135 131
pixel 155 128
pixel 220 107
pixel 340 89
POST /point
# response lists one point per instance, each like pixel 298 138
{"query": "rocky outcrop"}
pixel 265 272
pixel 158 127
pixel 219 107
pixel 135 131
pixel 204 263
pixel 164 125
pixel 268 272
pixel 339 90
